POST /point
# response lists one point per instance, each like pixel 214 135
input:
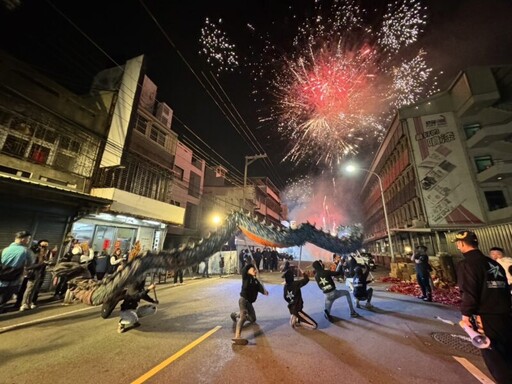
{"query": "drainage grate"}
pixel 459 342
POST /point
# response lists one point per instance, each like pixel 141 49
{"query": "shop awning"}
pixel 21 189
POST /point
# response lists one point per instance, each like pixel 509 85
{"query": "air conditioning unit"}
pixel 164 114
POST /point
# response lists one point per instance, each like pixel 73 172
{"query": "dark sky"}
pixel 459 33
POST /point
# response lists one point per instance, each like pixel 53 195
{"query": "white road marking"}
pixel 18 325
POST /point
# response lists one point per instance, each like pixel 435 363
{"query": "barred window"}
pixel 157 136
pixel 141 124
pixel 15 146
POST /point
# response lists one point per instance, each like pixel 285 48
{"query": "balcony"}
pixel 489 134
pixel 502 169
pixel 140 206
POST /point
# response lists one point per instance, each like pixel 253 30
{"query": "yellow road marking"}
pixel 478 374
pixel 178 354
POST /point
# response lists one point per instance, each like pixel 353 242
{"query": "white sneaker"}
pixel 33 306
pixel 24 307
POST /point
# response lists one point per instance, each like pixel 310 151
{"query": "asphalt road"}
pixel 189 341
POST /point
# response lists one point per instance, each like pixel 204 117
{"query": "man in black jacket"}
pixel 324 280
pixel 422 266
pixel 251 286
pixel 486 300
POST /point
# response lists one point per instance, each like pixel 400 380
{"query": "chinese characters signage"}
pixel 442 169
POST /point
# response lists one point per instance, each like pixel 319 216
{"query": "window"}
pixel 471 129
pixel 46 134
pixel 191 214
pixel 495 200
pixel 194 185
pixel 20 125
pixel 15 146
pixel 197 163
pixel 68 144
pixel 141 124
pixel 483 162
pixel 157 136
pixel 178 172
pixel 39 154
pixel 64 162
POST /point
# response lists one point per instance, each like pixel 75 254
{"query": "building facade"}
pixel 445 165
pixel 186 192
pixel 222 195
pixel 50 143
pixel 136 166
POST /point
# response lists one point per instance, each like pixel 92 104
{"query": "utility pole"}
pixel 248 161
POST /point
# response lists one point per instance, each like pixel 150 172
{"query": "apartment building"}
pixel 136 166
pixel 446 165
pixel 50 146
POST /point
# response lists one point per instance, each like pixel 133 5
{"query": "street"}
pixel 189 341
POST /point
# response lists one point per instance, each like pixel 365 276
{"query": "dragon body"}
pixel 95 292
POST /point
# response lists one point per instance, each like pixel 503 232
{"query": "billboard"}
pixel 443 171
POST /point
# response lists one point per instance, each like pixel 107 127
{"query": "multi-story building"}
pixel 261 196
pixel 186 192
pixel 268 200
pixel 446 165
pixel 136 167
pixel 50 147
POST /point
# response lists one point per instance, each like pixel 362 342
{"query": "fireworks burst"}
pixel 220 53
pixel 401 25
pixel 334 89
pixel 324 101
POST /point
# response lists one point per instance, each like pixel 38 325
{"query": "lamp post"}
pixel 248 161
pixel 352 168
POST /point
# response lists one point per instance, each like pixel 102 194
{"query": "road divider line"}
pixel 18 325
pixel 178 354
pixel 478 374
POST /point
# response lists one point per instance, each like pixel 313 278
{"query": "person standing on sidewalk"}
pixel 420 259
pixel 34 275
pixel 15 256
pixel 205 269
pixel 178 275
pixel 486 299
pixel 221 265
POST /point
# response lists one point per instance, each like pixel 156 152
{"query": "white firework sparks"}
pixel 220 53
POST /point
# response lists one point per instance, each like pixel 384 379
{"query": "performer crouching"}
pixel 130 310
pixel 293 296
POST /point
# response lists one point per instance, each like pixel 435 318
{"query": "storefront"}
pixel 46 211
pixel 106 232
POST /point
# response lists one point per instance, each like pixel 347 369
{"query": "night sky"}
pixel 48 35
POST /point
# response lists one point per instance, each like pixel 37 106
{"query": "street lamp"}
pixel 248 161
pixel 352 168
